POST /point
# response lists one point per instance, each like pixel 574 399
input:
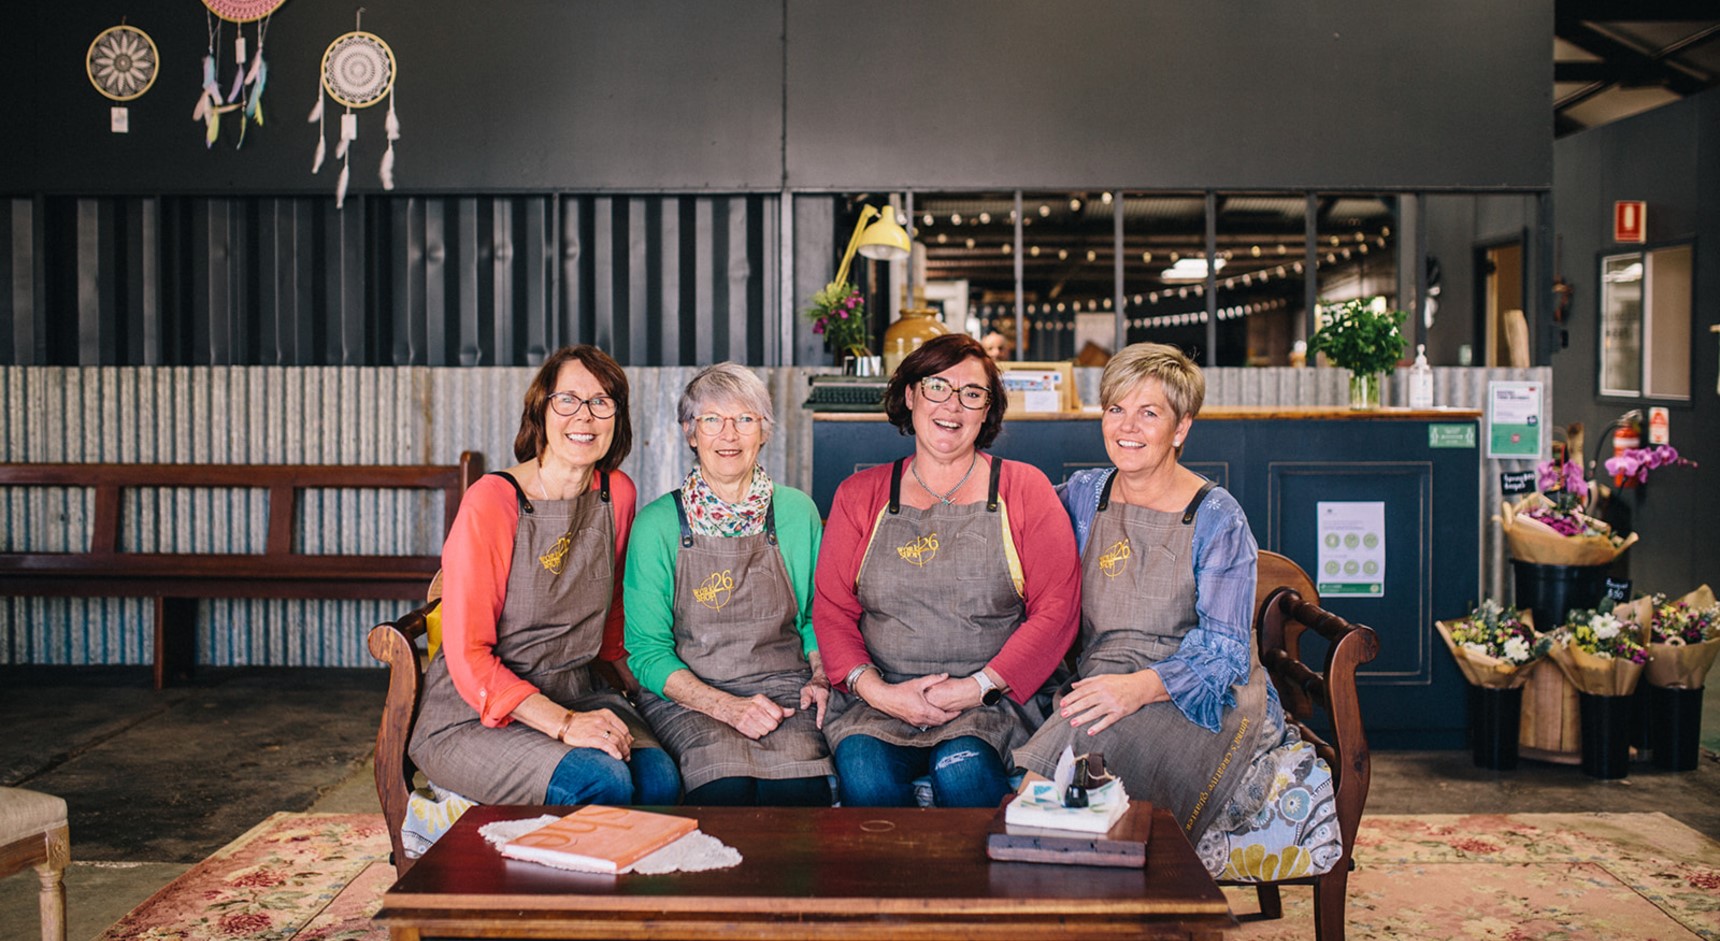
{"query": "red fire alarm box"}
pixel 1630 220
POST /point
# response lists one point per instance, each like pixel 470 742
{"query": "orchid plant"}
pixel 1635 463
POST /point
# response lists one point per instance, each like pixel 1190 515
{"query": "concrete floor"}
pixel 157 781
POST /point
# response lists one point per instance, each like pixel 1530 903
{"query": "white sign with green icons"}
pixel 1352 549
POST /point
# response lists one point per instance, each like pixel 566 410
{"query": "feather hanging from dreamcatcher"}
pixel 358 71
pixel 244 93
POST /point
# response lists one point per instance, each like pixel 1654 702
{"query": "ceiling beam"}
pixel 1636 11
pixel 1653 69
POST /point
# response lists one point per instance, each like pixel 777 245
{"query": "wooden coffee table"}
pixel 838 873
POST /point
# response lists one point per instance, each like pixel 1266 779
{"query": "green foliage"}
pixel 1360 339
pixel 839 313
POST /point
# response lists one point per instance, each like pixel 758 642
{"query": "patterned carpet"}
pixel 1516 877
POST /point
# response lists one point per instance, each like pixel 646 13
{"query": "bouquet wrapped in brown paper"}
pixel 1682 637
pixel 1493 646
pixel 1599 652
pixel 1549 532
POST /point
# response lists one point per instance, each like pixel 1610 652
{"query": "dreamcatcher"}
pixel 250 73
pixel 122 64
pixel 358 71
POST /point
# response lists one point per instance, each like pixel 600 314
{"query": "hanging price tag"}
pixel 1618 589
pixel 119 119
pixel 239 50
pixel 349 126
pixel 1514 483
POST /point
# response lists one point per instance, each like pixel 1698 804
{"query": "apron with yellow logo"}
pixel 936 596
pixel 560 585
pixel 735 613
pixel 1137 603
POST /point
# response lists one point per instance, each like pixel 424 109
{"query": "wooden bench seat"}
pixel 177 579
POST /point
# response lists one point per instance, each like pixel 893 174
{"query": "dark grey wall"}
pixel 1666 157
pixel 726 95
pixel 1313 94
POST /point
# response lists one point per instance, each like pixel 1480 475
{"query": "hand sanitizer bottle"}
pixel 1421 380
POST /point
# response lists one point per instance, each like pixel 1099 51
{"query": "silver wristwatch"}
pixel 989 692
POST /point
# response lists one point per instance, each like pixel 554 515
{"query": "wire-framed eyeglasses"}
pixel 937 389
pixel 567 405
pixel 746 425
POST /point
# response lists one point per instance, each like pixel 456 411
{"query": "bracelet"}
pixel 566 724
pixel 854 675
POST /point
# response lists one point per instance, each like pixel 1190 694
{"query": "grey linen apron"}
pixel 560 586
pixel 1137 603
pixel 936 596
pixel 734 628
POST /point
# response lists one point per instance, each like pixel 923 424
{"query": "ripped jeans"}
pixel 965 772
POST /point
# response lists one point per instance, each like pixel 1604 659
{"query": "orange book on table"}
pixel 596 838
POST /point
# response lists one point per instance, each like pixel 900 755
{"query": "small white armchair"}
pixel 33 833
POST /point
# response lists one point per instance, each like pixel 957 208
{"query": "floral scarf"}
pixel 709 515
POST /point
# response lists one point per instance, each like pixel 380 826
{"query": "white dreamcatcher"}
pixel 358 71
pixel 250 72
pixel 122 63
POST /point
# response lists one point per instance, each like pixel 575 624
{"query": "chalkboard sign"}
pixel 1512 483
pixel 1618 589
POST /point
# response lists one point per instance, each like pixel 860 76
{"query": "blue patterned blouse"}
pixel 1214 655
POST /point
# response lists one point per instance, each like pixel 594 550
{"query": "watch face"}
pixel 991 696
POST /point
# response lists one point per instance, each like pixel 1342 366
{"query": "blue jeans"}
pixel 965 772
pixel 591 776
pixel 762 792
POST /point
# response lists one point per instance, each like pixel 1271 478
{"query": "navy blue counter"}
pixel 1279 463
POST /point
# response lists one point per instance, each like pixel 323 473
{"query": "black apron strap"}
pixel 525 503
pixel 1105 491
pixel 603 485
pixel 1193 505
pixel 896 486
pixel 991 488
pixel 681 514
pixel 770 520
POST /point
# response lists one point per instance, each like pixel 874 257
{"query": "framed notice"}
pixel 1352 549
pixel 1514 420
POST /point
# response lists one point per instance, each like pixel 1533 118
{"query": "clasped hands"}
pixel 758 715
pixel 923 701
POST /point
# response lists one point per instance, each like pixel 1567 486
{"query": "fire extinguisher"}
pixel 1628 436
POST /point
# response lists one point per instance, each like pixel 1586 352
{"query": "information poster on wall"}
pixel 1352 549
pixel 1514 420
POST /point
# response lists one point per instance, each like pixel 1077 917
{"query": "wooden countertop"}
pixel 1231 413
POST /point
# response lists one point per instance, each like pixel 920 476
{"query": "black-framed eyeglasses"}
pixel 937 389
pixel 567 405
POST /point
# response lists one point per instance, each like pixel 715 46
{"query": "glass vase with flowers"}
pixel 1365 339
pixel 838 312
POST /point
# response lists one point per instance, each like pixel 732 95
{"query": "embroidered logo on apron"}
pixel 715 591
pixel 920 551
pixel 1115 559
pixel 555 558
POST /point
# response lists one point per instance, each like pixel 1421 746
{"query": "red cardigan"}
pixel 476 559
pixel 1050 568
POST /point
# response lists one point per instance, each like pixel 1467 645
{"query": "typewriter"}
pixel 846 394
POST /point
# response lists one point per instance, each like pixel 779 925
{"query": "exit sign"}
pixel 1630 220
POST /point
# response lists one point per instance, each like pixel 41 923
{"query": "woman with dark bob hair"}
pixel 513 711
pixel 936 624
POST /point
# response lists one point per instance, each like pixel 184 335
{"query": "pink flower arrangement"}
pixel 1635 463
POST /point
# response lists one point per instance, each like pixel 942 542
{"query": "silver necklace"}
pixel 944 497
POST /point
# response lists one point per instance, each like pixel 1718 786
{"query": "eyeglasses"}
pixel 970 396
pixel 567 405
pixel 712 425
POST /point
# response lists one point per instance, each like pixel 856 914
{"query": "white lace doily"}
pixel 695 852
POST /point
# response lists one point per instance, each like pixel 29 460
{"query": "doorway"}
pixel 1501 323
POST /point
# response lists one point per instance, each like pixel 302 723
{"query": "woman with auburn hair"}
pixel 513 711
pixel 1169 686
pixel 938 621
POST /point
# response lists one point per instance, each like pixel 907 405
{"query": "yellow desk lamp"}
pixel 883 240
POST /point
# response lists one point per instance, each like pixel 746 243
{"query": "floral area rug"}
pixel 1516 877
pixel 306 877
pixel 1494 877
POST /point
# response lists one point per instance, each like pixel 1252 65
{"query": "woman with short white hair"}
pixel 718 595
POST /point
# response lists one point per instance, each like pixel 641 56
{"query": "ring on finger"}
pixel 605 733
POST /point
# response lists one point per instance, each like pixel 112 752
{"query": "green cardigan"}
pixel 648 583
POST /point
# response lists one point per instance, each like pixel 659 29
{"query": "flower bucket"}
pixel 1365 390
pixel 1606 735
pixel 1495 719
pixel 1551 591
pixel 1676 717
